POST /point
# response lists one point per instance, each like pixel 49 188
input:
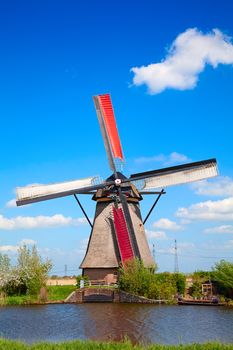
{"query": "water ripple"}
pixel 140 323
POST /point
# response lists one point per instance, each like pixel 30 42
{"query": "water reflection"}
pixel 140 323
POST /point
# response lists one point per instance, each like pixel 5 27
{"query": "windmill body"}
pixel 104 252
pixel 118 232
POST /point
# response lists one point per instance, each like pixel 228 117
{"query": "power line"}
pixel 196 256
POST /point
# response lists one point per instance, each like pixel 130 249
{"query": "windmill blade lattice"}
pixel 37 193
pixel 176 175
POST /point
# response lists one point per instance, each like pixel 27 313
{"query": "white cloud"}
pixel 229 244
pixel 27 241
pixel 8 248
pixel 11 203
pixel 223 248
pixel 220 229
pixel 166 224
pixel 186 59
pixel 169 159
pixel 156 234
pixel 31 222
pixel 221 186
pixel 209 210
pixel 82 247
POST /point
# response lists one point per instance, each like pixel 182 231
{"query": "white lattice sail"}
pixel 178 177
pixel 36 193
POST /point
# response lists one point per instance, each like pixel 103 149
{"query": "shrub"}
pixel 135 278
pixel 27 277
pixel 32 272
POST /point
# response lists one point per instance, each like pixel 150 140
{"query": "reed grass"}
pixel 59 292
pixel 91 345
pixel 54 293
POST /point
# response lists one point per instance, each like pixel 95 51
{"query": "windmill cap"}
pixel 119 176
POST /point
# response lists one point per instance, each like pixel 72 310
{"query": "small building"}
pixel 207 289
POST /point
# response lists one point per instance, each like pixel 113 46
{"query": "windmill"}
pixel 117 233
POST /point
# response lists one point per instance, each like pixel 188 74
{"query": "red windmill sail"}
pixel 122 234
pixel 110 124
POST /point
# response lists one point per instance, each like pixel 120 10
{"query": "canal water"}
pixel 166 324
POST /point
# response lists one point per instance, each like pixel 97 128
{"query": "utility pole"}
pixel 65 270
pixel 176 267
pixel 153 252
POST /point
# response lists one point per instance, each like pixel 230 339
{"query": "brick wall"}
pixel 108 275
pixel 105 294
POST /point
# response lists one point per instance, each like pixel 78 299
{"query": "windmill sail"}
pixel 122 235
pixel 104 133
pixel 37 193
pixel 175 175
pixel 108 128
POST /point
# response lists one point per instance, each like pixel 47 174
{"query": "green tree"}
pixel 5 270
pixel 32 271
pixel 135 278
pixel 203 276
pixel 166 286
pixel 223 275
pixel 5 264
pixel 180 282
pixel 9 279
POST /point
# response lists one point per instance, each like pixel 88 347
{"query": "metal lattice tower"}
pixel 176 266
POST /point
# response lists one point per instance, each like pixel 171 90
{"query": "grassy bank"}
pixel 55 293
pixel 90 345
pixel 18 300
pixel 59 292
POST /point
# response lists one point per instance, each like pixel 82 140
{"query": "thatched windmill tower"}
pixel 118 229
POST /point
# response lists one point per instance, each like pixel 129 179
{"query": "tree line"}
pixel 30 273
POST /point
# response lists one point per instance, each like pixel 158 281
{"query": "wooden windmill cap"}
pixel 127 188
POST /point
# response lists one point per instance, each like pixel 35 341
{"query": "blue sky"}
pixel 55 55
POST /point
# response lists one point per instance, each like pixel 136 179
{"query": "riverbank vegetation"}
pixel 25 283
pixel 59 292
pixel 47 295
pixel 91 345
pixel 221 278
pixel 135 278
